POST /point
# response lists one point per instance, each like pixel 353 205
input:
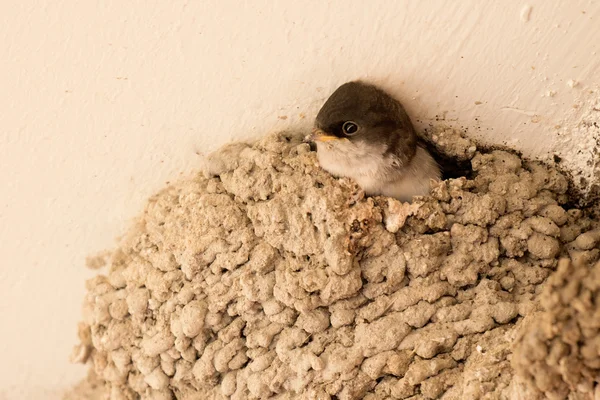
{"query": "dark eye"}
pixel 350 128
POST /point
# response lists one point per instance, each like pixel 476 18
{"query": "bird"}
pixel 363 133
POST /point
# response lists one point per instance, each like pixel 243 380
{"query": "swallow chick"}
pixel 363 133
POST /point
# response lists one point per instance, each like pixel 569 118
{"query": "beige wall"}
pixel 102 102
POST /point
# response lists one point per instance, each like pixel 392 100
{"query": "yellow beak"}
pixel 319 135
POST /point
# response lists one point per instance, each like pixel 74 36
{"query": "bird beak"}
pixel 319 135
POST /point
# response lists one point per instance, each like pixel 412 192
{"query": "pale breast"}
pixel 377 174
pixel 414 179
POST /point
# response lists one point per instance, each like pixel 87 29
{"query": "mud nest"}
pixel 271 279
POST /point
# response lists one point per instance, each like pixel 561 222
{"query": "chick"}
pixel 363 133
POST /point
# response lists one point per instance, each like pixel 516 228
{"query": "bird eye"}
pixel 350 128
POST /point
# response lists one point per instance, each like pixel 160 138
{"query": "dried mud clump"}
pixel 559 351
pixel 271 278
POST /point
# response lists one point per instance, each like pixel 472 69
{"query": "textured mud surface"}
pixel 273 279
pixel 558 352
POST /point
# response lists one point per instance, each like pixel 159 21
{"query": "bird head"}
pixel 365 115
